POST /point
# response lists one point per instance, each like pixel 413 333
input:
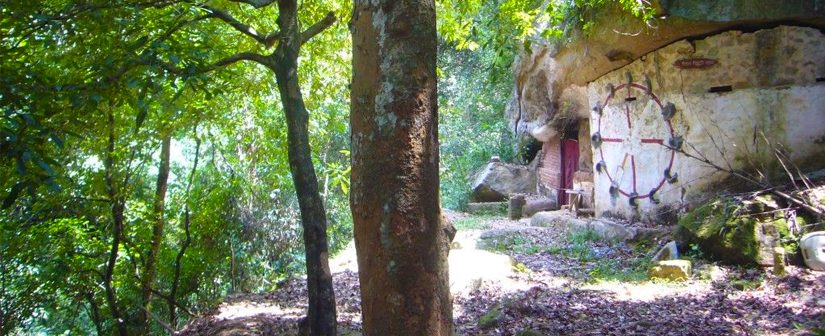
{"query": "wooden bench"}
pixel 575 196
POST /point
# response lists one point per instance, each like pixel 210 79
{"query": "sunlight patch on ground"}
pixel 244 309
pixel 345 260
pixel 470 266
pixel 646 291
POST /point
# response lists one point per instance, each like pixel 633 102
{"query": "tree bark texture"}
pixel 399 238
pixel 150 269
pixel 321 315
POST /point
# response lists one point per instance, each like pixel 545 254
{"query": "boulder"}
pixel 497 180
pixel 735 231
pixel 603 228
pixel 561 220
pixel 612 231
pixel 674 270
pixel 668 252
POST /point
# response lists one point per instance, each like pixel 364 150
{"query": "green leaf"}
pixel 45 166
pixel 57 140
pixel 143 110
pixel 12 196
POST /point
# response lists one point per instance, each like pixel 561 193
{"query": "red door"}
pixel 569 165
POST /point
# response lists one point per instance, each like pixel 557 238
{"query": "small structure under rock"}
pixel 715 80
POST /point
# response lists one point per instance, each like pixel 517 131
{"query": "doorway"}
pixel 569 162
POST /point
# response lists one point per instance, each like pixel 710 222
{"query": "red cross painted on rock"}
pixel 623 102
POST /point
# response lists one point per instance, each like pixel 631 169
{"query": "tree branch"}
pixel 158 320
pixel 242 56
pixel 256 3
pixel 318 27
pixel 813 209
pixel 267 40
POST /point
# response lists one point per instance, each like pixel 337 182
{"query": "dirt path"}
pixel 510 279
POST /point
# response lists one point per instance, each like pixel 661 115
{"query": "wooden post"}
pixel 516 205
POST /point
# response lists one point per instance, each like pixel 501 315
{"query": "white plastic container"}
pixel 813 250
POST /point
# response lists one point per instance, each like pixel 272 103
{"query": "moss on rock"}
pixel 737 231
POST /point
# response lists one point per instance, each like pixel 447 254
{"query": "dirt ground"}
pixel 561 284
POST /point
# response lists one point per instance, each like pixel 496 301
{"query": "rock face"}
pixel 729 70
pixel 546 75
pixel 612 231
pixel 561 220
pixel 711 96
pixel 497 180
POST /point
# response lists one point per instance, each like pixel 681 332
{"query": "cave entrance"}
pixel 530 150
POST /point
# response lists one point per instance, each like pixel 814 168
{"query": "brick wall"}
pixel 549 168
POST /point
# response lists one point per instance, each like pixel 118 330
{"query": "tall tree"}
pixel 399 238
pixel 158 211
pixel 186 39
pixel 283 61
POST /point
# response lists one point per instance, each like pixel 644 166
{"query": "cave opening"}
pixel 530 149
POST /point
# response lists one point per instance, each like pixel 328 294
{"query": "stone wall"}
pixel 544 75
pixel 730 93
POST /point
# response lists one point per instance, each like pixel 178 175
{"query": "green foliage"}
pixel 582 237
pixel 521 268
pixel 528 332
pixel 695 252
pixel 473 223
pixel 509 26
pixel 510 242
pixel 491 318
pixel 820 330
pixel 472 127
pixel 85 99
pixel 610 270
pixel 746 284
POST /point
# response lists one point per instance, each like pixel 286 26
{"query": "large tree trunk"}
pixel 321 315
pixel 400 242
pixel 150 270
